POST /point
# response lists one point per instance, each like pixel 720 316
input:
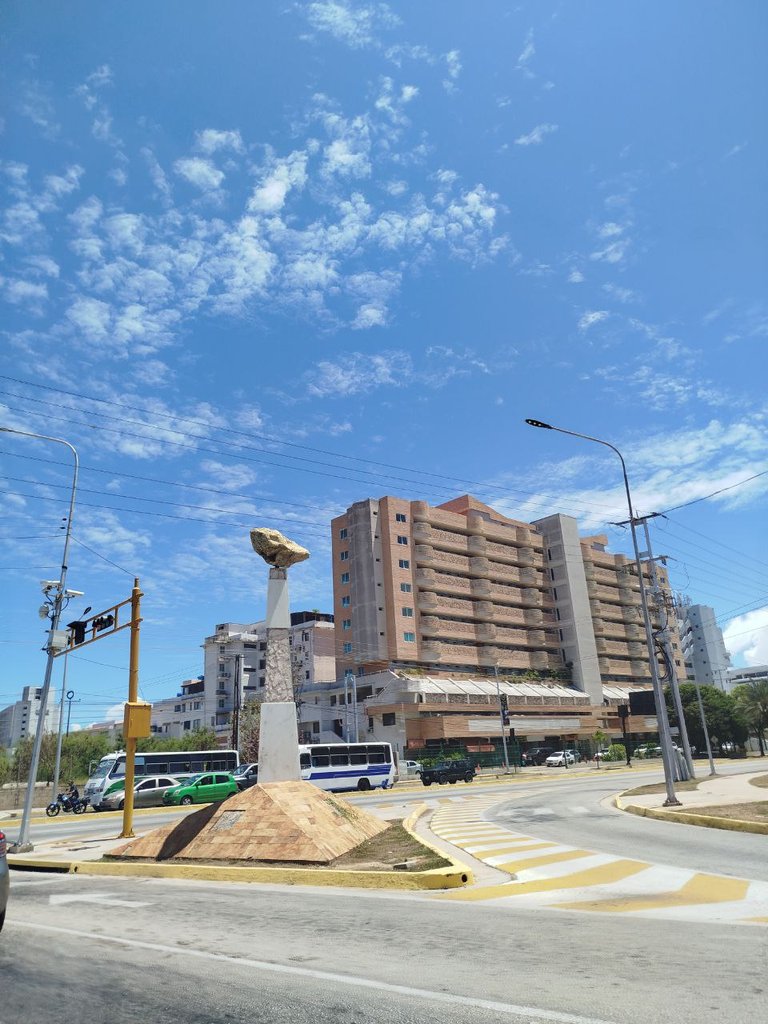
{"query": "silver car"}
pixel 146 793
pixel 4 884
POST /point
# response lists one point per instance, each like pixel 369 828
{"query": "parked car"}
pixel 560 759
pixel 536 755
pixel 574 754
pixel 4 883
pixel 246 775
pixel 448 771
pixel 205 788
pixel 147 792
pixel 412 767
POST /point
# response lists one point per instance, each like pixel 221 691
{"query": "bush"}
pixel 616 752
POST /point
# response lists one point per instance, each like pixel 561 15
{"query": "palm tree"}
pixel 752 700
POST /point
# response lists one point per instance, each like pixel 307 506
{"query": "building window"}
pixel 345 601
pixel 345 577
pixel 404 563
pixel 347 648
pixel 344 556
pixel 388 718
pixel 333 700
pixel 306 674
pixel 401 518
pixel 346 623
pixel 343 534
pixel 401 539
pixel 221 703
pixel 409 637
pixel 406 588
pixel 408 613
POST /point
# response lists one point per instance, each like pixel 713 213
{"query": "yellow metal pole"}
pixel 133 696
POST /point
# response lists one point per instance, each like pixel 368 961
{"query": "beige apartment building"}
pixel 460 590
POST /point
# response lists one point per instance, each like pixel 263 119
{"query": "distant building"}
pixel 19 720
pixel 235 656
pixel 739 676
pixel 703 647
pixel 173 716
pixel 461 589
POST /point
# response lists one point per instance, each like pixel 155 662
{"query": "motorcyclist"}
pixel 73 793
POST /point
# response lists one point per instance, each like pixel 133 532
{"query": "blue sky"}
pixel 262 260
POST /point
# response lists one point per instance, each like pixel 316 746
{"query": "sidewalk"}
pixel 712 791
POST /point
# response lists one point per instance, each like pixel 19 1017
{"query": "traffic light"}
pixel 623 710
pixel 642 702
pixel 103 622
pixel 78 632
pixel 504 709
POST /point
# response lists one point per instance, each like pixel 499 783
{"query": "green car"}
pixel 205 788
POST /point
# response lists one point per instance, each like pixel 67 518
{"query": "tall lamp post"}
pixel 23 844
pixel 661 707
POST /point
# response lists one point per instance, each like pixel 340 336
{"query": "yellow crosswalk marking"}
pixel 616 871
pixel 547 858
pixel 699 890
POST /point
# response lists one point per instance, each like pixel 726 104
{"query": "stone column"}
pixel 278 730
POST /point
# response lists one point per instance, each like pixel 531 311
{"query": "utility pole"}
pixel 666 644
pixel 237 703
pixel 60 597
pixel 134 724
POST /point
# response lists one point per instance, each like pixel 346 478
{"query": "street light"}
pixel 661 708
pixel 23 844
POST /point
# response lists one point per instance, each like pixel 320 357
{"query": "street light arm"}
pixel 597 440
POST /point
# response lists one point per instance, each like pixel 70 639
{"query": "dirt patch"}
pixel 736 812
pixel 761 781
pixel 659 787
pixel 392 846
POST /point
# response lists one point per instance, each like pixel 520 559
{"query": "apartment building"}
pixel 19 720
pixel 235 657
pixel 462 590
pixel 703 647
pixel 174 716
pixel 739 676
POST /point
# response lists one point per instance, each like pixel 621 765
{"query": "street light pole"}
pixel 23 844
pixel 661 707
pixel 501 718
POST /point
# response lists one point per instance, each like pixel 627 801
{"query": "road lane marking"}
pixel 532 1013
pixel 613 872
pixel 699 890
pixel 106 899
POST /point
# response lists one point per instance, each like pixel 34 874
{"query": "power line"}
pixel 713 494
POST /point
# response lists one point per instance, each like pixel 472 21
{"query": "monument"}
pixel 278 734
pixel 281 819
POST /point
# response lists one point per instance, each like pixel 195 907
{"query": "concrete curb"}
pixel 454 876
pixel 685 818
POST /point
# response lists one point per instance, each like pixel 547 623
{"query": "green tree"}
pixel 6 767
pixel 725 719
pixel 250 723
pixel 616 752
pixel 752 701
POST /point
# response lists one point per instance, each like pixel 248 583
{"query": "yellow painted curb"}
pixel 464 873
pixel 684 818
pixel 16 863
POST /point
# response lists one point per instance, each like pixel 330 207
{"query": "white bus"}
pixel 339 766
pixel 109 774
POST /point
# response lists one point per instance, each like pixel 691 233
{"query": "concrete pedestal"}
pixel 278 743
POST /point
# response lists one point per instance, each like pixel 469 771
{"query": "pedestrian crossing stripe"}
pixel 549 874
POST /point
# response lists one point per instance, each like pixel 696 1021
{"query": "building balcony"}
pixel 430 650
pixel 484 611
pixel 541 660
pixel 480 566
pixel 480 588
pixel 533 617
pixel 422 532
pixel 420 511
pixel 478 546
pixel 428 600
pixel 526 556
pixel 530 597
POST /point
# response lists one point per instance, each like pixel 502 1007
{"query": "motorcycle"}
pixel 76 805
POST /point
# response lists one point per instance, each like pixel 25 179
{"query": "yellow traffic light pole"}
pixel 136 719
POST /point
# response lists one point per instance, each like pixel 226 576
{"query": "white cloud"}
pixel 210 140
pixel 453 68
pixel 537 135
pixel 575 277
pixel 352 23
pixel 622 294
pixel 201 173
pixel 358 373
pixel 613 253
pixel 527 52
pixel 592 317
pixel 746 636
pixel 278 178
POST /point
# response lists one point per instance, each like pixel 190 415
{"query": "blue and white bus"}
pixel 180 764
pixel 336 767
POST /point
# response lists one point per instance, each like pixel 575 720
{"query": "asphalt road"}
pixel 116 951
pixel 79 949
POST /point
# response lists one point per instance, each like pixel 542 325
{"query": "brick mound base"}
pixel 288 822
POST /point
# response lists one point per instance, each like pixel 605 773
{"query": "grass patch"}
pixel 393 846
pixel 660 787
pixel 761 781
pixel 738 812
